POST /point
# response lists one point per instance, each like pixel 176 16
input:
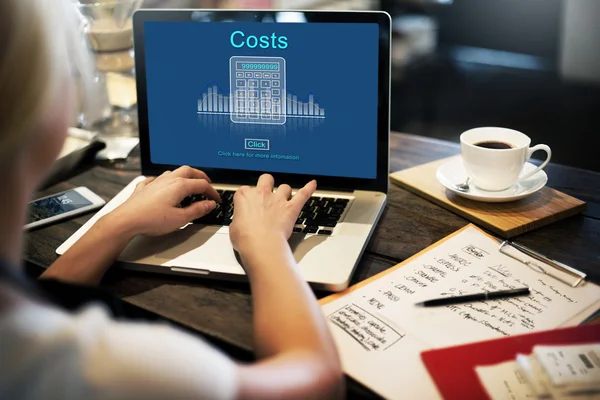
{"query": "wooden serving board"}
pixel 505 219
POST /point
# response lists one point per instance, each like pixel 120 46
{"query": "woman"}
pixel 46 352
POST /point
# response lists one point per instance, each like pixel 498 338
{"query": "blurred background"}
pixel 530 65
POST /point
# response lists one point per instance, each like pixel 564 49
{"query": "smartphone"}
pixel 61 206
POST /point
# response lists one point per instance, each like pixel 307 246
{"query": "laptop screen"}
pixel 295 98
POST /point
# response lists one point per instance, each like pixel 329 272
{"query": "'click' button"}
pixel 256 144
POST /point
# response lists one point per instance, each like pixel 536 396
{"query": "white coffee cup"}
pixel 498 169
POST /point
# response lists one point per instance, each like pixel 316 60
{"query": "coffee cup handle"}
pixel 529 153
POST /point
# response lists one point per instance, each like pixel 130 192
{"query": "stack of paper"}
pixel 563 371
pixel 550 372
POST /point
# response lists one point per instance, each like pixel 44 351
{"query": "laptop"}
pixel 301 95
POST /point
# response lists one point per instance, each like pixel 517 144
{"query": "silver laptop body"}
pixel 326 255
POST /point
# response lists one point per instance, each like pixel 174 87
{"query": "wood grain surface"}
pixel 505 219
pixel 222 312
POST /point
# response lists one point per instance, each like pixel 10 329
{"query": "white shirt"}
pixel 46 353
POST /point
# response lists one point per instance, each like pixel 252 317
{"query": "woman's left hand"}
pixel 153 208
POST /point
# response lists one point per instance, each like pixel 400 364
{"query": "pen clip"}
pixel 553 268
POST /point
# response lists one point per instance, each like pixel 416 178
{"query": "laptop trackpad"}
pixel 171 246
pixel 199 243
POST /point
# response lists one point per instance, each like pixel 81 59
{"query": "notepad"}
pixel 380 333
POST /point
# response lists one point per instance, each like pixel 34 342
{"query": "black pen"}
pixel 475 297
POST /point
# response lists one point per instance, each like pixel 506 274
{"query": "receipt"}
pixel 577 365
pixel 505 381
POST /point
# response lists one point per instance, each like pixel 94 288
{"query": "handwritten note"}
pixel 372 333
pixel 466 263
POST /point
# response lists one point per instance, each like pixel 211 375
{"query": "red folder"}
pixel 453 368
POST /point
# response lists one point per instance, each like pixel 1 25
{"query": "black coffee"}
pixel 491 144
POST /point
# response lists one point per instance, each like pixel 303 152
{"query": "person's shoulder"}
pixel 94 353
pixel 26 318
pixel 36 341
pixel 35 328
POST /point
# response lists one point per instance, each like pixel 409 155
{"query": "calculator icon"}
pixel 257 90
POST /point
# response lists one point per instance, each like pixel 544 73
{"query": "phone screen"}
pixel 56 205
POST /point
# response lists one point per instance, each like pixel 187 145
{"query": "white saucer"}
pixel 453 172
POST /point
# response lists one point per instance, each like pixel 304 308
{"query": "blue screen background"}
pixel 336 62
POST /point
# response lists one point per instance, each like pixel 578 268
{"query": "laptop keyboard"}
pixel 318 216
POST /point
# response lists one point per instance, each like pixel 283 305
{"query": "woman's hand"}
pixel 260 214
pixel 297 355
pixel 153 208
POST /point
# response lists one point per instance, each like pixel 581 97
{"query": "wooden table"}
pixel 222 311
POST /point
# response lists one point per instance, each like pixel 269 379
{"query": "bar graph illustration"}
pixel 258 94
pixel 309 109
pixel 214 101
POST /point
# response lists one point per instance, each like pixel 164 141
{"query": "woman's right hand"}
pixel 263 216
pixel 153 208
pixel 298 357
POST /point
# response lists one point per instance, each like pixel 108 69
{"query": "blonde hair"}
pixel 40 44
